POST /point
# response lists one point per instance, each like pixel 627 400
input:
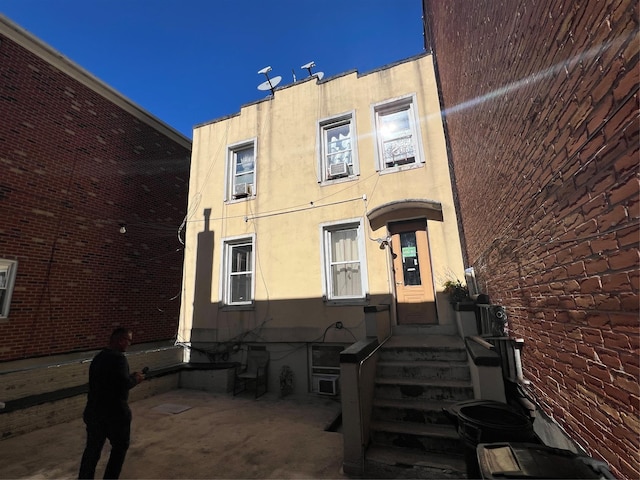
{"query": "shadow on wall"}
pixel 202 306
pixel 280 320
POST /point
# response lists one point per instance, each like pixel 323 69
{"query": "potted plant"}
pixel 458 294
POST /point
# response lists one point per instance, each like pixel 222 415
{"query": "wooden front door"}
pixel 415 295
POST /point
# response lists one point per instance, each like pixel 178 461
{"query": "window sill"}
pixel 234 308
pixel 334 181
pixel 239 200
pixel 401 168
pixel 347 302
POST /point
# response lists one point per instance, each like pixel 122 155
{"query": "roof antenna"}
pixel 271 83
pixel 309 66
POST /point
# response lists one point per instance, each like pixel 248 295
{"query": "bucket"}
pixel 487 421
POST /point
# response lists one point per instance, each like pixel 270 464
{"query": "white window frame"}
pixel 226 263
pixel 326 231
pixel 8 269
pixel 324 152
pixel 230 169
pixel 319 372
pixel 409 104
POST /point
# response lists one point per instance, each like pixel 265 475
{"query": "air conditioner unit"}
pixel 338 169
pixel 326 384
pixel 241 190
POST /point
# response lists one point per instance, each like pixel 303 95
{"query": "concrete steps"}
pixel 412 410
pixel 411 354
pixel 427 370
pixel 402 388
pixel 426 437
pixel 418 376
pixel 390 462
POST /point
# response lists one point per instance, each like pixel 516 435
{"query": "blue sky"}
pixel 192 61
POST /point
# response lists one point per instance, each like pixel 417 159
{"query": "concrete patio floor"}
pixel 217 436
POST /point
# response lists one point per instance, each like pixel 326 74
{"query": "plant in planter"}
pixel 456 291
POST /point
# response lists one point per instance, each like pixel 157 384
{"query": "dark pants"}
pixel 118 432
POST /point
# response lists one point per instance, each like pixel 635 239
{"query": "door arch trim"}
pixel 408 208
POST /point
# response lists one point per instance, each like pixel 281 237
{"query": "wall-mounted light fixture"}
pixel 123 228
pixel 384 242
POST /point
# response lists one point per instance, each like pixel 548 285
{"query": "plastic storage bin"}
pixel 530 460
pixel 487 421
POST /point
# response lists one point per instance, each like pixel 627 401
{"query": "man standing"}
pixel 107 414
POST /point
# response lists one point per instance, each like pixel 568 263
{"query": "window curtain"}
pixel 397 141
pixel 244 166
pixel 345 264
pixel 338 146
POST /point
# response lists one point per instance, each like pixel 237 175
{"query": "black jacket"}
pixel 109 385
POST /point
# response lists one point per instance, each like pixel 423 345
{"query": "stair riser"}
pixel 398 392
pixel 417 442
pixel 410 415
pixel 411 354
pixel 454 372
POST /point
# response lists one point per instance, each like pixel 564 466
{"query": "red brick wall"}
pixel 542 115
pixel 73 167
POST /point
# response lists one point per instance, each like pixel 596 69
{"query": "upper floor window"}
pixel 338 153
pixel 241 170
pixel 238 268
pixel 398 141
pixel 7 278
pixel 344 263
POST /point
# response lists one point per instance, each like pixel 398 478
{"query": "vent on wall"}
pixel 338 169
pixel 325 384
pixel 241 190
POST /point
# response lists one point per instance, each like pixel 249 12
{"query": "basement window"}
pixel 325 368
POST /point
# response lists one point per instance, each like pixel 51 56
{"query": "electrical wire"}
pixel 308 207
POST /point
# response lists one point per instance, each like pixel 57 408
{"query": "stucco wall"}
pixel 290 206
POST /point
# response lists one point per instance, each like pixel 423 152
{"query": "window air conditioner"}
pixel 326 384
pixel 241 190
pixel 338 169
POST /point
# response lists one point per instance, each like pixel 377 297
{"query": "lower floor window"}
pixel 7 278
pixel 238 271
pixel 325 368
pixel 343 259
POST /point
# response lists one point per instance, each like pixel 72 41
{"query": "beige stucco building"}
pixel 307 207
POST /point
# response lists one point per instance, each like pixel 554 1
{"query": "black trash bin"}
pixel 526 460
pixel 487 421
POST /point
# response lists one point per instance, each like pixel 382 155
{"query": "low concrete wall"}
pixel 466 323
pixel 486 370
pixel 357 378
pixel 45 391
pixel 377 319
pixel 216 380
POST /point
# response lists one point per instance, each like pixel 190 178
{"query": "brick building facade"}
pixel 541 102
pixel 78 160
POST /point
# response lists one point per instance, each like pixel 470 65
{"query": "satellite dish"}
pixel 271 83
pixel 309 66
